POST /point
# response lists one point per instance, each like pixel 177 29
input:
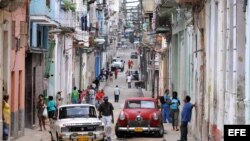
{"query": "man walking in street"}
pixel 186 117
pixel 129 80
pixel 129 64
pixel 116 93
pixel 106 113
pixel 116 73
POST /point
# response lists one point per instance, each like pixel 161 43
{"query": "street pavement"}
pixel 170 135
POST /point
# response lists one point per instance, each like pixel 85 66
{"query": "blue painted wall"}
pixel 97 65
pixel 38 7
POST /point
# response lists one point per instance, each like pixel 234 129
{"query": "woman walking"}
pixel 51 108
pixel 175 102
pixel 40 108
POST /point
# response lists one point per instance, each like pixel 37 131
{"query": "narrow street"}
pixel 170 135
pixel 192 55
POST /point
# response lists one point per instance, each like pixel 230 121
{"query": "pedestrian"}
pixel 117 93
pixel 40 107
pixel 166 107
pixel 174 106
pixel 129 64
pixel 93 85
pixel 87 96
pixel 97 83
pixel 186 115
pixel 59 98
pixel 129 80
pixel 92 96
pixel 74 96
pixel 111 76
pixel 107 116
pixel 99 97
pixel 82 96
pixel 107 74
pixel 51 107
pixel 6 117
pixel 116 73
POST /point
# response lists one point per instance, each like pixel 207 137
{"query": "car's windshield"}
pixel 77 112
pixel 140 104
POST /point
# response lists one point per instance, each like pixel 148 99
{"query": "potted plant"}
pixel 68 5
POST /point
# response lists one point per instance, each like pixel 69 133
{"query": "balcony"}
pixel 40 13
pixel 10 5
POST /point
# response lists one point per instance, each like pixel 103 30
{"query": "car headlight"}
pixel 64 129
pixel 122 116
pixel 155 116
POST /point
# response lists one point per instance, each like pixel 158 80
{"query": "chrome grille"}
pixel 142 123
pixel 81 128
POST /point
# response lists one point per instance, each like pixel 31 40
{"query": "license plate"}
pixel 138 129
pixel 83 138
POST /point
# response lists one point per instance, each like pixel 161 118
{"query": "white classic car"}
pixel 77 122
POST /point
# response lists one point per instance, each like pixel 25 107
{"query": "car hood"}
pixel 145 113
pixel 78 121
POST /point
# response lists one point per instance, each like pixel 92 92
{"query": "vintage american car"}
pixel 77 122
pixel 139 115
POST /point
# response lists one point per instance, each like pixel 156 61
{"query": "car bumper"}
pixel 96 136
pixel 139 129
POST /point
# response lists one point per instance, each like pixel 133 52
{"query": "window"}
pixel 48 3
pixel 77 111
pixel 141 104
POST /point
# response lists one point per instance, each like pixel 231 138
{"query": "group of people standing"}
pixel 91 95
pixel 170 112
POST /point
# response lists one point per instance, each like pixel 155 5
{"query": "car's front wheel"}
pixel 119 134
pixel 160 133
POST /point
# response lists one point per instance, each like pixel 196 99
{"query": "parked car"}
pixel 139 115
pixel 77 122
pixel 134 73
pixel 134 55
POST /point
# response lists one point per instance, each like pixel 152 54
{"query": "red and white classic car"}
pixel 139 115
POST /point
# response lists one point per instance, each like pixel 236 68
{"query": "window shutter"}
pixel 13 28
pixel 23 33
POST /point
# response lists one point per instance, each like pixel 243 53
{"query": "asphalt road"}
pixel 125 93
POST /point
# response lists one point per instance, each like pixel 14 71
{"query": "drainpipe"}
pixel 81 67
pixel 247 68
pixel 1 76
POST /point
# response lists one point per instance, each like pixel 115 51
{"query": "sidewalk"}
pixel 35 134
pixel 170 134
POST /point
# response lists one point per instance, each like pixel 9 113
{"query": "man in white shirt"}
pixel 117 93
pixel 129 79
